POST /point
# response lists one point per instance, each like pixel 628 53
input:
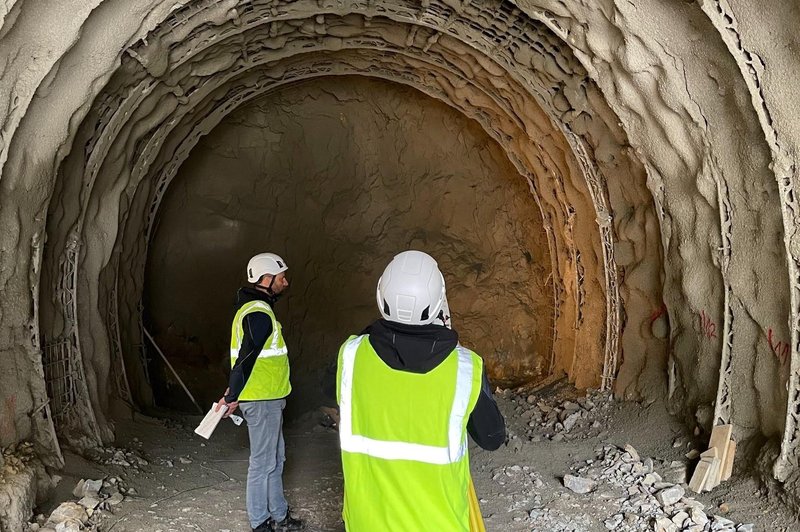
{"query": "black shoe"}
pixel 288 524
pixel 266 526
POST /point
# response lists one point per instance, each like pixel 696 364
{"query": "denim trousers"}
pixel 267 454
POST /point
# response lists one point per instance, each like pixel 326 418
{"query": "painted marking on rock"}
pixel 707 325
pixel 781 349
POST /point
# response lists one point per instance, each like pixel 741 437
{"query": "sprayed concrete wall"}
pixel 337 175
pixel 658 138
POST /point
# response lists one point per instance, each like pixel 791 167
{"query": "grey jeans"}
pixel 264 475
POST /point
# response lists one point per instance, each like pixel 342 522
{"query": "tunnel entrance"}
pixel 337 175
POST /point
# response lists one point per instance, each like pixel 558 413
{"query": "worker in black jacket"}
pixel 259 384
pixel 408 395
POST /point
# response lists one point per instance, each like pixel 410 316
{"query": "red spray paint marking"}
pixel 707 325
pixel 658 313
pixel 781 349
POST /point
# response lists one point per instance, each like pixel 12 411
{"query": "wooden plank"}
pixel 727 468
pixel 720 437
pixel 701 474
pixel 714 472
pixel 711 453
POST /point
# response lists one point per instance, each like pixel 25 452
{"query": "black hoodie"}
pixel 419 349
pixel 257 329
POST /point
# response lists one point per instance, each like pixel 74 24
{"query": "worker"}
pixel 258 385
pixel 408 394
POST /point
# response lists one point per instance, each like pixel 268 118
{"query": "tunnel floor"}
pixel 176 481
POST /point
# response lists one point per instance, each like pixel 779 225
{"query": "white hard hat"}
pixel 411 289
pixel 265 264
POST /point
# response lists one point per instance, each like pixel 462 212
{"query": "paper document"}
pixel 210 422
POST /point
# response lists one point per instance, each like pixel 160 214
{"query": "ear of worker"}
pixel 716 463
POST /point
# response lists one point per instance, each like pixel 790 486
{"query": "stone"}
pixel 663 524
pixel 89 502
pixel 68 513
pixel 676 473
pixel 77 491
pixel 185 460
pixel 613 522
pixel 579 484
pixel 680 518
pixel 720 523
pixel 631 451
pixel 669 496
pixel 651 479
pixel 569 421
pixel 698 517
pixel 120 459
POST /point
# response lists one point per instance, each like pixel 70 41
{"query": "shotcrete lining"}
pixel 632 69
pixel 577 265
pixel 622 72
pixel 752 67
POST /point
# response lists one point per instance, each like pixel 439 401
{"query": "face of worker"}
pixel 280 284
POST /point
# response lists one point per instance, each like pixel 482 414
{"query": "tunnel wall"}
pixel 338 175
pixel 695 99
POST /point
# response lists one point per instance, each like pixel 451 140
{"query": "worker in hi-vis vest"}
pixel 258 385
pixel 408 395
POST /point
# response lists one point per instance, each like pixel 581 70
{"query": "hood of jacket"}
pixel 413 348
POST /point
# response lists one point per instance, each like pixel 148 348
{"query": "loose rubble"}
pixel 15 458
pixel 555 419
pixel 94 497
pixel 651 494
pixel 117 456
pixel 620 489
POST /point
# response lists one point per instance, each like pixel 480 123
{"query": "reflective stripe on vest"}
pixel 276 347
pixel 269 378
pixel 395 450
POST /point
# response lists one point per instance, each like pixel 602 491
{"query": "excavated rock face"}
pixel 338 175
pixel 656 141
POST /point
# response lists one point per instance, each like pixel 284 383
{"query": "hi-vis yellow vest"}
pixel 270 376
pixel 404 441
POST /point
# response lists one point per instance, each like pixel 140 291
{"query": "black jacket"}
pixel 419 349
pixel 257 329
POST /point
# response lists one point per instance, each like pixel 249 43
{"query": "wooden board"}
pixel 714 472
pixel 720 437
pixel 727 467
pixel 701 473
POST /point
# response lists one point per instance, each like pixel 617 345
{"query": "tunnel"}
pixel 608 188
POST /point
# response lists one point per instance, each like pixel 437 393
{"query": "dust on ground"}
pixel 165 478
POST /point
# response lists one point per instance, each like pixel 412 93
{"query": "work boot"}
pixel 288 524
pixel 266 526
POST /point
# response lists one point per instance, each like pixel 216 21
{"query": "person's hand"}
pixel 232 406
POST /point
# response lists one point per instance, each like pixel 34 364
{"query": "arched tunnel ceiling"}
pixel 641 126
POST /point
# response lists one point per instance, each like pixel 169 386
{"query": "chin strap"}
pixel 268 289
